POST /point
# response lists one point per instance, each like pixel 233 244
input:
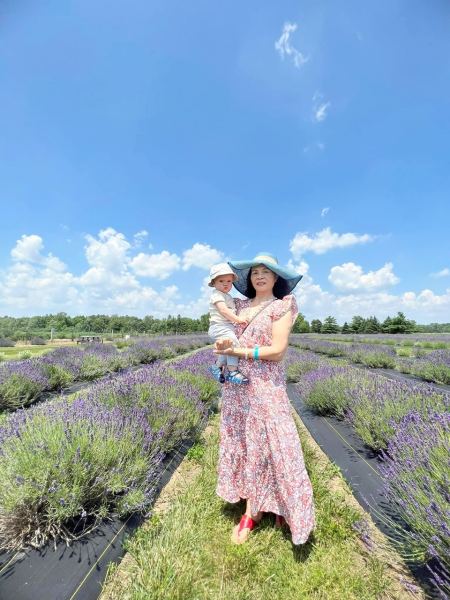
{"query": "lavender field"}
pixel 428 364
pixel 67 463
pixel 408 425
pixel 23 381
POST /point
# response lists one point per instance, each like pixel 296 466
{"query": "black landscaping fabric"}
pixel 359 467
pixel 75 572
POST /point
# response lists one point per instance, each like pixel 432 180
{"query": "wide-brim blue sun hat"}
pixel 241 268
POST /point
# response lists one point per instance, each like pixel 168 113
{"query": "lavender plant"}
pixel 378 404
pixel 370 402
pixel 417 484
pixel 298 363
pixel 325 390
pixel 66 465
pixel 21 382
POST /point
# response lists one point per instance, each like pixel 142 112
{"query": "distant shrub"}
pixel 403 352
pixel 122 344
pixel 92 367
pixel 58 376
pixel 37 341
pixel 25 354
pixel 6 343
pixel 18 390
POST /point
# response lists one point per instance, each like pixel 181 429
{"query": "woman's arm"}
pixel 276 351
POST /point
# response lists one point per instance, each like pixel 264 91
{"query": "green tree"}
pixel 345 328
pixel 316 325
pixel 358 323
pixel 400 324
pixel 372 325
pixel 330 325
pixel 204 322
pixel 301 325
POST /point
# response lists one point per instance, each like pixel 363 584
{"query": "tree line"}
pixel 62 325
pixel 358 324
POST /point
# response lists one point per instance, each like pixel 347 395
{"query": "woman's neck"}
pixel 263 297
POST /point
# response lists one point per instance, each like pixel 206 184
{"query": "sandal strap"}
pixel 246 522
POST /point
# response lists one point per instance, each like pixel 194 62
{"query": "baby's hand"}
pixel 223 344
pixel 241 321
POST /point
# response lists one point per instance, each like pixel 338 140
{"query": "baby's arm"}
pixel 228 313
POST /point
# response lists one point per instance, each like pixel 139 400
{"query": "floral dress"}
pixel 260 456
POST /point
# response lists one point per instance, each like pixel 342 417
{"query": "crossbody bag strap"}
pixel 257 314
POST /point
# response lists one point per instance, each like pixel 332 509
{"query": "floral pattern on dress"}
pixel 260 455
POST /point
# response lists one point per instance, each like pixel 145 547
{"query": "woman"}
pixel 260 456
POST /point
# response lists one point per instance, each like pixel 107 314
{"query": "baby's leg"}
pixel 233 361
pixel 216 333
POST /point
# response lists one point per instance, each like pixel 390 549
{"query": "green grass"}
pixel 186 553
pixel 15 352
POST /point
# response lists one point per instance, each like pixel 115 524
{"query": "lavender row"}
pixel 21 382
pixel 409 425
pixel 433 366
pixel 67 464
pixel 436 341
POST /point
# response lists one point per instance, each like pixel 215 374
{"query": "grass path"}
pixel 183 552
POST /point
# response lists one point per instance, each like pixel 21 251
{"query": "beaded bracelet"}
pixel 256 353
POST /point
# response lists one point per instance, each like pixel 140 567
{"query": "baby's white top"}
pixel 214 314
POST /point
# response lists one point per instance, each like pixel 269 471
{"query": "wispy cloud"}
pixel 139 238
pixel 320 108
pixel 443 273
pixel 315 147
pixel 324 212
pixel 285 48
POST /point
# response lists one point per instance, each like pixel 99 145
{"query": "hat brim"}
pixel 242 268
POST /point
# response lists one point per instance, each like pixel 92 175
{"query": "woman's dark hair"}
pixel 280 289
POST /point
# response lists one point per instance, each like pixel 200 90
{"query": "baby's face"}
pixel 223 283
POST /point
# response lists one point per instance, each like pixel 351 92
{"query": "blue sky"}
pixel 141 143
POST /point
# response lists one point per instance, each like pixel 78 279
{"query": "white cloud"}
pixel 423 307
pixel 202 256
pixel 39 283
pixel 443 273
pixel 324 212
pixel 36 283
pixel 324 241
pixel 284 47
pixel 301 267
pixel 28 249
pixel 109 251
pixel 160 265
pixel 350 277
pixel 320 108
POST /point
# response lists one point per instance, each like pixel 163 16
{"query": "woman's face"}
pixel 262 278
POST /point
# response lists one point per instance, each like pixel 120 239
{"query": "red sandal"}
pixel 246 522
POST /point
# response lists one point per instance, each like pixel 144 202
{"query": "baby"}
pixel 222 313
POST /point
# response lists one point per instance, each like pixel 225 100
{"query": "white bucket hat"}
pixel 220 269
